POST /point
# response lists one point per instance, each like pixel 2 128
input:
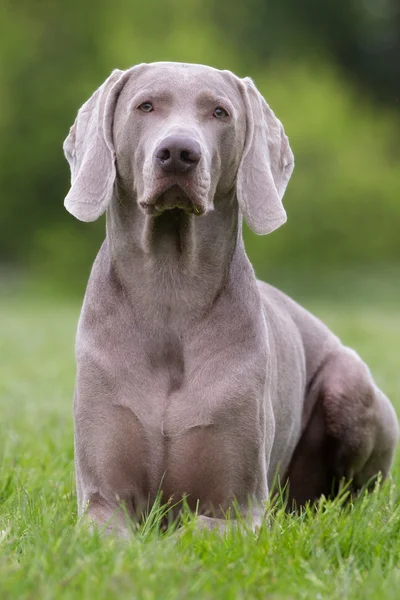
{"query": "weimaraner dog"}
pixel 193 378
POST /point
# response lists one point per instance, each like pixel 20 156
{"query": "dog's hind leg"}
pixel 351 434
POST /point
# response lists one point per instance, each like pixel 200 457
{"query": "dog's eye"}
pixel 146 107
pixel 220 113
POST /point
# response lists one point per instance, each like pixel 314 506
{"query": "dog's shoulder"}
pixel 316 338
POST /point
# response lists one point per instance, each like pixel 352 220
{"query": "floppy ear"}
pixel 89 150
pixel 266 166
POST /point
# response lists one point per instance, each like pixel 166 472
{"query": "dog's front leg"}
pixel 250 516
pixel 251 521
pixel 112 456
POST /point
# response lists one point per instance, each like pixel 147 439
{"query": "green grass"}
pixel 335 552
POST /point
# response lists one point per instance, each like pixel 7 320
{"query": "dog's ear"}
pixel 266 165
pixel 89 150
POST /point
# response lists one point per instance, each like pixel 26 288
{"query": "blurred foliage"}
pixel 343 200
pixel 361 36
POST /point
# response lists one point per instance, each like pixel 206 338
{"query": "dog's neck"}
pixel 174 263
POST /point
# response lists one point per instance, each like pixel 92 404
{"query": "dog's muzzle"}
pixel 175 162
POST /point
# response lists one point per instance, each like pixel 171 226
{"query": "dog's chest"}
pixel 196 404
pixel 176 384
pixel 206 432
pixel 166 361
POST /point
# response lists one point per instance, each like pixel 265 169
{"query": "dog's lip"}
pixel 156 209
pixel 154 206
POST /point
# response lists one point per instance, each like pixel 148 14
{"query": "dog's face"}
pixel 179 133
pixel 179 136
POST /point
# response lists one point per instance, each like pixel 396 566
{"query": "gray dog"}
pixel 193 377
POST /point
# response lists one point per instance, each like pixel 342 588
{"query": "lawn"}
pixel 335 552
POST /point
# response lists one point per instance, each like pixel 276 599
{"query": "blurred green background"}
pixel 330 70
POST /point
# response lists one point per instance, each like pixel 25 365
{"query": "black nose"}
pixel 178 154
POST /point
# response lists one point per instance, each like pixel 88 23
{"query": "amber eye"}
pixel 146 107
pixel 220 113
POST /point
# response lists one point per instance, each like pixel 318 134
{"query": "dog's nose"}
pixel 178 154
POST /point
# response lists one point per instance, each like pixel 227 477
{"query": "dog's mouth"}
pixel 174 199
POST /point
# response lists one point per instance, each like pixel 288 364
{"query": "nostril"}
pixel 185 156
pixel 164 154
pixel 189 157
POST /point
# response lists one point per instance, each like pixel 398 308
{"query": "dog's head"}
pixel 179 136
